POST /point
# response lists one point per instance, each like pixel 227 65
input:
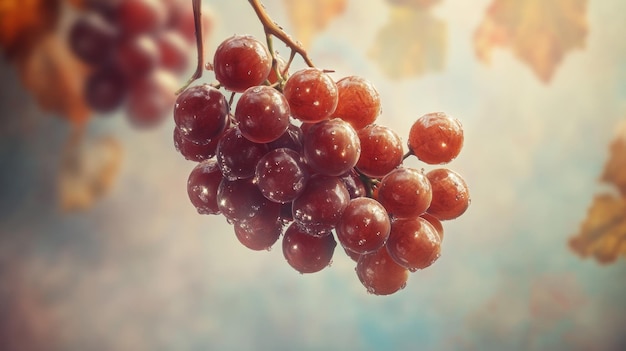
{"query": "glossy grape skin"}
pixel 92 39
pixel 331 147
pixel 105 89
pixel 405 193
pixel 353 183
pixel 450 194
pixel 151 99
pixel 364 226
pixel 241 200
pixel 436 138
pixel 435 222
pixel 258 237
pixel 193 151
pixel 307 253
pixel 200 112
pixel 312 95
pixel 320 206
pixel 381 151
pixel 241 62
pixel 413 243
pixel 140 16
pixel 353 255
pixel 262 114
pixel 291 139
pixel 358 101
pixel 281 175
pixel 238 156
pixel 380 274
pixel 202 185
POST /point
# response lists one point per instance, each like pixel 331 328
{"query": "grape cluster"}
pixel 135 50
pixel 300 155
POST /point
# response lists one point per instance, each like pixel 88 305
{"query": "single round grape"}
pixel 450 194
pixel 238 156
pixel 312 95
pixel 151 99
pixel 173 51
pixel 331 147
pixel 258 237
pixel 105 89
pixel 320 206
pixel 241 201
pixel 436 138
pixel 92 39
pixel 141 16
pixel 262 114
pixel 364 226
pixel 241 62
pixel 138 56
pixel 435 222
pixel 200 113
pixel 380 274
pixel 193 151
pixel 307 253
pixel 413 243
pixel 353 183
pixel 202 185
pixel 281 175
pixel 291 139
pixel 405 193
pixel 358 101
pixel 381 151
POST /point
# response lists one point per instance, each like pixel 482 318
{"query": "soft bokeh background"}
pixel 140 270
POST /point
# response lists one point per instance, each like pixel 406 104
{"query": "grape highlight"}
pixel 299 159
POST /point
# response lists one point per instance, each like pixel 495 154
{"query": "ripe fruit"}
pixel 405 193
pixel 331 147
pixel 450 194
pixel 200 113
pixel 358 101
pixel 312 95
pixel 436 138
pixel 241 62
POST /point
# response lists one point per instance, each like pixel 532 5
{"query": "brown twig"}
pixel 271 28
pixel 197 20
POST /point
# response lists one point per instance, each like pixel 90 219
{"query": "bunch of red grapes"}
pixel 136 49
pixel 300 155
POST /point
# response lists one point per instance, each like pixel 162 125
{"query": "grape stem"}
pixel 271 28
pixel 197 22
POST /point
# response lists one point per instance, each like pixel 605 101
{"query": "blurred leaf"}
pixel 55 77
pixel 24 22
pixel 420 4
pixel 88 172
pixel 539 32
pixel 615 168
pixel 312 16
pixel 411 44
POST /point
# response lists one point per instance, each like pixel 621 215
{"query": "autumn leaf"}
pixel 23 22
pixel 615 168
pixel 55 77
pixel 540 33
pixel 603 233
pixel 420 4
pixel 88 171
pixel 309 17
pixel 411 44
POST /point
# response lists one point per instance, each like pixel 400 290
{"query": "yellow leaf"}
pixel 411 44
pixel 539 32
pixel 615 168
pixel 603 233
pixel 309 17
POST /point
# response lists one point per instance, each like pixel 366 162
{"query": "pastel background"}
pixel 141 270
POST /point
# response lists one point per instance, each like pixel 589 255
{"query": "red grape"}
pixel 364 226
pixel 436 223
pixel 358 101
pixel 307 253
pixel 151 99
pixel 173 51
pixel 258 237
pixel 105 89
pixel 241 200
pixel 141 16
pixel 380 274
pixel 450 194
pixel 262 114
pixel 405 193
pixel 138 56
pixel 238 156
pixel 241 62
pixel 413 243
pixel 381 151
pixel 331 147
pixel 200 112
pixel 312 95
pixel 281 175
pixel 202 186
pixel 91 38
pixel 320 206
pixel 291 139
pixel 353 183
pixel 436 138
